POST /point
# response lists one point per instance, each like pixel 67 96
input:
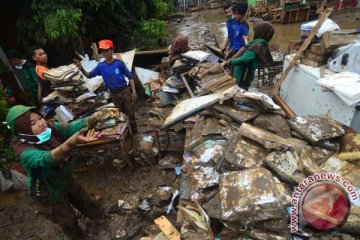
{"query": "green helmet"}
pixel 14 113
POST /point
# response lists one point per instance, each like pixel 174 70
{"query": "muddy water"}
pixel 202 26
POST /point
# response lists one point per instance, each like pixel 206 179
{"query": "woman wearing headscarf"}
pixel 179 45
pixel 45 152
pixel 253 54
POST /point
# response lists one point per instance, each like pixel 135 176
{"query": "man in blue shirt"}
pixel 113 72
pixel 230 25
pixel 241 29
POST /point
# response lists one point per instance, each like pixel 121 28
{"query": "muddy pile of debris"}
pixel 241 163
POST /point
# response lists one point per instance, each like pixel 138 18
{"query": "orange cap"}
pixel 105 44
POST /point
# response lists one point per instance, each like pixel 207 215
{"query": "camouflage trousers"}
pixel 123 101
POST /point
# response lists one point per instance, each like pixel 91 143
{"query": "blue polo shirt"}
pixel 113 74
pixel 241 29
pixel 231 25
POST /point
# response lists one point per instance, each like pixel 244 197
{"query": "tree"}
pixel 120 20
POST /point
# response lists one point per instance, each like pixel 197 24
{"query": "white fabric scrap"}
pixel 345 84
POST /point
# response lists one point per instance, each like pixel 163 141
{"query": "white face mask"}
pixel 19 67
pixel 43 137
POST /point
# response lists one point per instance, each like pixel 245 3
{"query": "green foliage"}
pixel 150 34
pixel 119 20
pixel 63 24
pixel 161 8
pixel 6 152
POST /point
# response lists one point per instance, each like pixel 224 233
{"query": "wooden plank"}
pixel 312 62
pixel 152 52
pixel 216 51
pixel 332 40
pixel 187 85
pixel 95 52
pixel 301 50
pixel 316 49
pixel 288 111
pixel 167 228
pixel 316 57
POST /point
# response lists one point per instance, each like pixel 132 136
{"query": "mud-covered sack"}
pixel 350 147
pixel 248 196
pixel 316 128
pixel 286 166
pixel 242 153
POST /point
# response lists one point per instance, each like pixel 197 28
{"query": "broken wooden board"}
pixel 167 228
pixel 187 85
pixel 310 62
pixel 270 140
pixel 288 111
pixel 216 51
pixel 273 123
pixel 316 49
pixel 332 40
pixel 235 114
pixel 316 57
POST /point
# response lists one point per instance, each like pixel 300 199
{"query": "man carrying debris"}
pixel 40 57
pixel 113 71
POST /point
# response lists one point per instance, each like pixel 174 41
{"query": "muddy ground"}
pixel 202 26
pixel 98 173
pixel 108 181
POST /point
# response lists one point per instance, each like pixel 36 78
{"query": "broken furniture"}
pixel 294 11
pixel 124 141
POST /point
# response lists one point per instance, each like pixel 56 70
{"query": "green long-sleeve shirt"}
pixel 31 79
pixel 244 68
pixel 57 178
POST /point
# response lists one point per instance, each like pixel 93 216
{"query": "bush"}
pixel 150 34
pixel 6 152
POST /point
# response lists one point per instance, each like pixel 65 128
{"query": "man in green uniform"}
pixel 26 73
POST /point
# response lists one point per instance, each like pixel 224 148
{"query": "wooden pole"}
pixel 301 50
pixel 95 52
pixel 187 85
pixel 288 111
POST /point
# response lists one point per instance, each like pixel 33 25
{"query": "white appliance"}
pixel 305 97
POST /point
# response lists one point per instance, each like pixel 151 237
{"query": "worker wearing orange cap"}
pixel 113 71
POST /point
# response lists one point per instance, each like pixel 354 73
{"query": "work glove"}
pixel 103 115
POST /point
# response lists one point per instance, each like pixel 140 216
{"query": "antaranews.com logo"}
pixel 321 200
